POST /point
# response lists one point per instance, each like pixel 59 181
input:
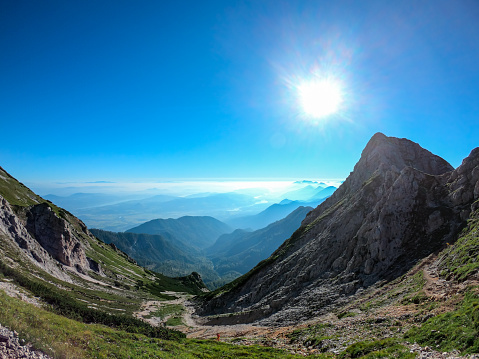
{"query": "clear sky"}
pixel 144 90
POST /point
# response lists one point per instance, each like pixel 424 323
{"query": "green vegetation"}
pixel 315 336
pixel 385 348
pixel 61 337
pixel 461 260
pixel 173 313
pixel 64 304
pixel 458 329
pixel 169 310
pixel 346 315
pixel 163 283
pixel 16 193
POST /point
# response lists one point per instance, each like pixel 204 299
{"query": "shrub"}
pixel 64 304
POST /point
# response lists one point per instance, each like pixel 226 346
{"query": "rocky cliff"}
pixel 400 204
pixel 46 235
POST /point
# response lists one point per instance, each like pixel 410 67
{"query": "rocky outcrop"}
pixel 45 238
pixel 400 204
pixel 12 347
pixel 55 235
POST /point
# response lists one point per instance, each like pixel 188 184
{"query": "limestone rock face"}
pixel 400 204
pixel 55 235
pixel 45 238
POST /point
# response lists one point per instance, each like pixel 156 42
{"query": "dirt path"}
pixel 194 327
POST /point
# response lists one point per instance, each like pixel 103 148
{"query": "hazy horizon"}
pixel 175 187
pixel 231 89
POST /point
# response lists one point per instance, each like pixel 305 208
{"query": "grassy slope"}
pixel 461 260
pixel 457 329
pixel 120 292
pixel 17 193
pixel 446 321
pixel 66 338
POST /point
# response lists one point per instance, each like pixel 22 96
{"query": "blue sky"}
pixel 150 90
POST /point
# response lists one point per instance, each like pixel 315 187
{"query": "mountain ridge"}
pixel 197 231
pixel 398 205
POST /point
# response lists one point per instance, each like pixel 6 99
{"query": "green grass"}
pixel 66 338
pixel 461 260
pixel 168 310
pixel 174 321
pixel 314 336
pixel 16 193
pixel 384 348
pixel 63 304
pixel 346 315
pixel 458 329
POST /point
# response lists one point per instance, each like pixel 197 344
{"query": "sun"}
pixel 320 97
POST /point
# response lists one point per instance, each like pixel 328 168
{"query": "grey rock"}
pixel 400 204
pixel 12 348
pixel 46 239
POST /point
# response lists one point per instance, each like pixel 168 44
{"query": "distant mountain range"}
pixel 127 214
pixel 116 212
pixel 176 247
pixel 240 251
pixel 194 231
pixel 280 210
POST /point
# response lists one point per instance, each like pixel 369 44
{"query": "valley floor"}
pixel 378 320
pixel 385 313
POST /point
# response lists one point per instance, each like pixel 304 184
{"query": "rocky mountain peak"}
pixel 391 152
pixel 386 157
pixel 400 204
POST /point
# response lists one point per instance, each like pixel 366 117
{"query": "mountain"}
pixel 67 294
pixel 273 213
pixel 240 251
pixel 400 204
pixel 175 252
pixel 304 193
pixel 50 255
pixel 196 231
pixel 147 248
pixel 163 254
pixel 128 214
pixel 322 193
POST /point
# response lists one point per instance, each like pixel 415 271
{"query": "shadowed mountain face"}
pixel 240 251
pixel 400 204
pixel 231 255
pixel 196 231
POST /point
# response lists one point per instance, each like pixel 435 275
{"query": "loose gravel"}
pixel 11 347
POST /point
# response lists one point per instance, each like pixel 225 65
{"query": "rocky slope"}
pixel 12 348
pixel 47 236
pixel 400 204
pixel 44 246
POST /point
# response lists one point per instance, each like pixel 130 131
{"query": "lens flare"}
pixel 320 97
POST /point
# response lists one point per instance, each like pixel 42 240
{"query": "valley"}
pixel 386 266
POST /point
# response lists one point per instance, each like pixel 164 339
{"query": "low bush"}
pixel 458 329
pixel 63 304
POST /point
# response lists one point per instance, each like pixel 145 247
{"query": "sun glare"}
pixel 320 98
